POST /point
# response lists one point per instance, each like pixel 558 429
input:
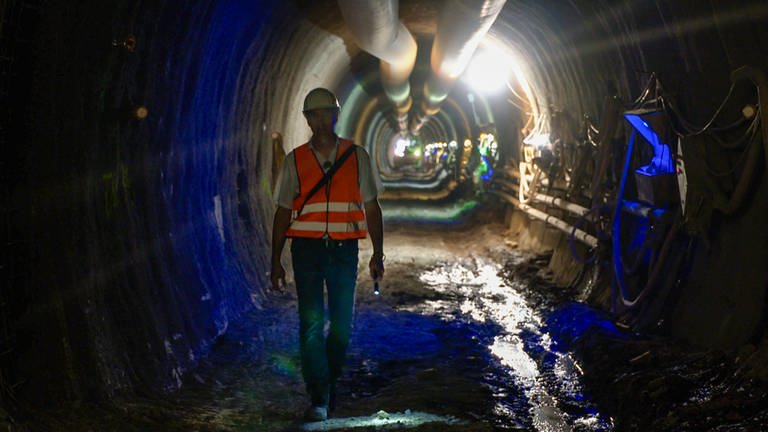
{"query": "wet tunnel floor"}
pixel 467 335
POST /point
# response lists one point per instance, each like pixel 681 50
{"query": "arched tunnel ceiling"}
pixel 354 75
pixel 168 217
pixel 569 56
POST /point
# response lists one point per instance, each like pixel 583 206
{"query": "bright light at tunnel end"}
pixel 401 144
pixel 489 70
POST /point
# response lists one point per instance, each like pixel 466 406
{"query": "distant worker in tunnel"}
pixel 326 200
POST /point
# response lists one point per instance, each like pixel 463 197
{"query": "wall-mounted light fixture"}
pixel 656 180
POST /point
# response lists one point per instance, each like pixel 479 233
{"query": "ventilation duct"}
pixel 461 27
pixel 376 28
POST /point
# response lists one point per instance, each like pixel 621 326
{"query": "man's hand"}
pixel 376 266
pixel 277 276
pixel 279 227
pixel 376 231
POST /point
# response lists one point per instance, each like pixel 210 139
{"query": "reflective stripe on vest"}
pixel 336 209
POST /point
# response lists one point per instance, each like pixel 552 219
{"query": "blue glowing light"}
pixel 572 321
pixel 196 169
pixel 662 162
pixel 488 170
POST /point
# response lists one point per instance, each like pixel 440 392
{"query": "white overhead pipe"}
pixel 460 29
pixel 560 224
pixel 554 201
pixel 376 27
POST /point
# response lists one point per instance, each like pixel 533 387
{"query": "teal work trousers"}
pixel 321 265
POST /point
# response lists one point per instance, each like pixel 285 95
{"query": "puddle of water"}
pixel 551 382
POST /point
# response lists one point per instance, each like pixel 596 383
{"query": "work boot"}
pixel 316 413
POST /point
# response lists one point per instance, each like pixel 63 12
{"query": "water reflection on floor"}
pixel 525 352
pixel 454 339
pixel 453 343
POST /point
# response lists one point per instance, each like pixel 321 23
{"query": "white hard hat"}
pixel 320 98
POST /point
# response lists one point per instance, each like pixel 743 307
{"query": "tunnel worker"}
pixel 324 222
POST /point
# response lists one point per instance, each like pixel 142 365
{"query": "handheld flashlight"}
pixel 376 288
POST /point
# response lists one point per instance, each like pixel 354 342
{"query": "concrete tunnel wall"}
pixel 133 243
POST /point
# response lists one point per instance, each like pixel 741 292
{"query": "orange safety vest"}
pixel 337 208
